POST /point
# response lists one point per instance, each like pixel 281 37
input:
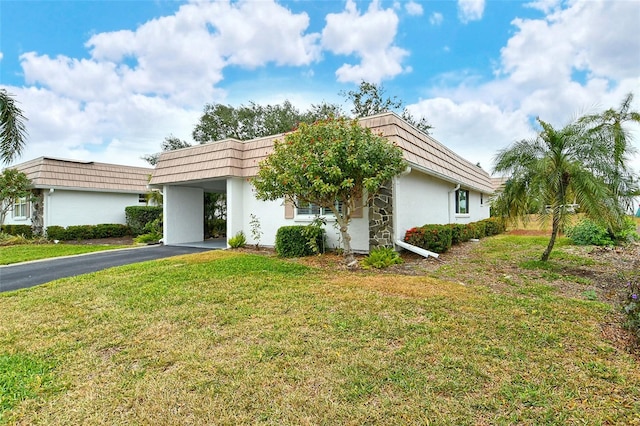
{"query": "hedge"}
pixel 87 232
pixel 24 230
pixel 138 217
pixel 439 238
pixel 299 241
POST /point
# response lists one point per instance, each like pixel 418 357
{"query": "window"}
pixel 462 201
pixel 481 199
pixel 21 208
pixel 310 209
pixel 142 198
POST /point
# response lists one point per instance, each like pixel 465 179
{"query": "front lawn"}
pixel 28 252
pixel 232 338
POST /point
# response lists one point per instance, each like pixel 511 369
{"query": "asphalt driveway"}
pixel 29 274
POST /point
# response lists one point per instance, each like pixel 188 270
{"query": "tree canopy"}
pixel 13 132
pixel 13 186
pixel 330 163
pixel 583 163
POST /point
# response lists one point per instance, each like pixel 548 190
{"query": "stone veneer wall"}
pixel 381 218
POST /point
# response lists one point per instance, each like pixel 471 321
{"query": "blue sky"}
pixel 109 80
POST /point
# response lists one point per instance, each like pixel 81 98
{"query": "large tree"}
pixel 169 143
pixel 330 163
pixel 13 132
pixel 370 99
pixel 582 163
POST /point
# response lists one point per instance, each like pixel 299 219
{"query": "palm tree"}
pixel 12 129
pixel 562 167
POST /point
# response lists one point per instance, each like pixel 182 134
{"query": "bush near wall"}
pixel 87 232
pixel 138 217
pixel 17 230
pixel 439 238
pixel 436 238
pixel 299 240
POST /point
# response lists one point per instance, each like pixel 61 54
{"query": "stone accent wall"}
pixel 37 213
pixel 381 218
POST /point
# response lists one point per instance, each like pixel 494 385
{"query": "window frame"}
pixel 314 211
pixel 21 205
pixel 458 193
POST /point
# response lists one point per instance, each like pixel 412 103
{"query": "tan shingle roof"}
pixel 46 172
pixel 235 158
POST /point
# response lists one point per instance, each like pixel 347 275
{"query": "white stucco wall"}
pixel 183 214
pixel 68 208
pixel 421 199
pixel 271 217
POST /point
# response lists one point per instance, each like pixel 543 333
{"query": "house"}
pixel 438 187
pixel 70 192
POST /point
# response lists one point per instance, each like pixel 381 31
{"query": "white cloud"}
pixel 472 127
pixel 545 6
pixel 436 18
pixel 369 36
pixel 180 57
pixel 413 8
pixel 536 76
pixel 470 10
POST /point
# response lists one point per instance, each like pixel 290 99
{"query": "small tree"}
pixel 329 162
pixel 13 186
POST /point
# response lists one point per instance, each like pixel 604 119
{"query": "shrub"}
pixel 55 232
pixel 631 307
pixel 460 233
pixel 436 238
pixel 477 230
pixel 587 232
pixel 16 230
pixel 239 240
pixel 628 232
pixel 382 257
pixel 138 217
pixel 111 230
pixel 493 226
pixel 298 240
pixel 79 232
pixel 152 237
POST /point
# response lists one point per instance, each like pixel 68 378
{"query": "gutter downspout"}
pixel 449 196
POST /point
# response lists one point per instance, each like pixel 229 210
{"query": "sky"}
pixel 108 80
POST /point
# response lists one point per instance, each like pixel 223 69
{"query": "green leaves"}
pixel 328 161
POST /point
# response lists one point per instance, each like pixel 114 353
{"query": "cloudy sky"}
pixel 108 80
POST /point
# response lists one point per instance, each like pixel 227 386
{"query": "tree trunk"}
pixel 554 233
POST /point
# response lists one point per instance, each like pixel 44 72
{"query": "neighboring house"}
pixel 69 192
pixel 438 187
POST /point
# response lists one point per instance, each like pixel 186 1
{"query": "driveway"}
pixel 29 274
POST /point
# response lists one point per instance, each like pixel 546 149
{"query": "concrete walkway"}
pixel 29 274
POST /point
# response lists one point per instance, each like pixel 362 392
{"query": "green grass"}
pixel 227 338
pixel 27 252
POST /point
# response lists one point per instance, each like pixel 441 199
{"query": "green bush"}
pixel 460 233
pixel 239 240
pixel 436 238
pixel 299 241
pixel 110 230
pixel 587 232
pixel 382 257
pixel 55 232
pixel 138 217
pixel 16 230
pixel 152 237
pixel 628 233
pixel 79 232
pixel 494 226
pixel 477 230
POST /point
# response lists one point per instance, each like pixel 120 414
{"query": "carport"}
pixel 185 175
